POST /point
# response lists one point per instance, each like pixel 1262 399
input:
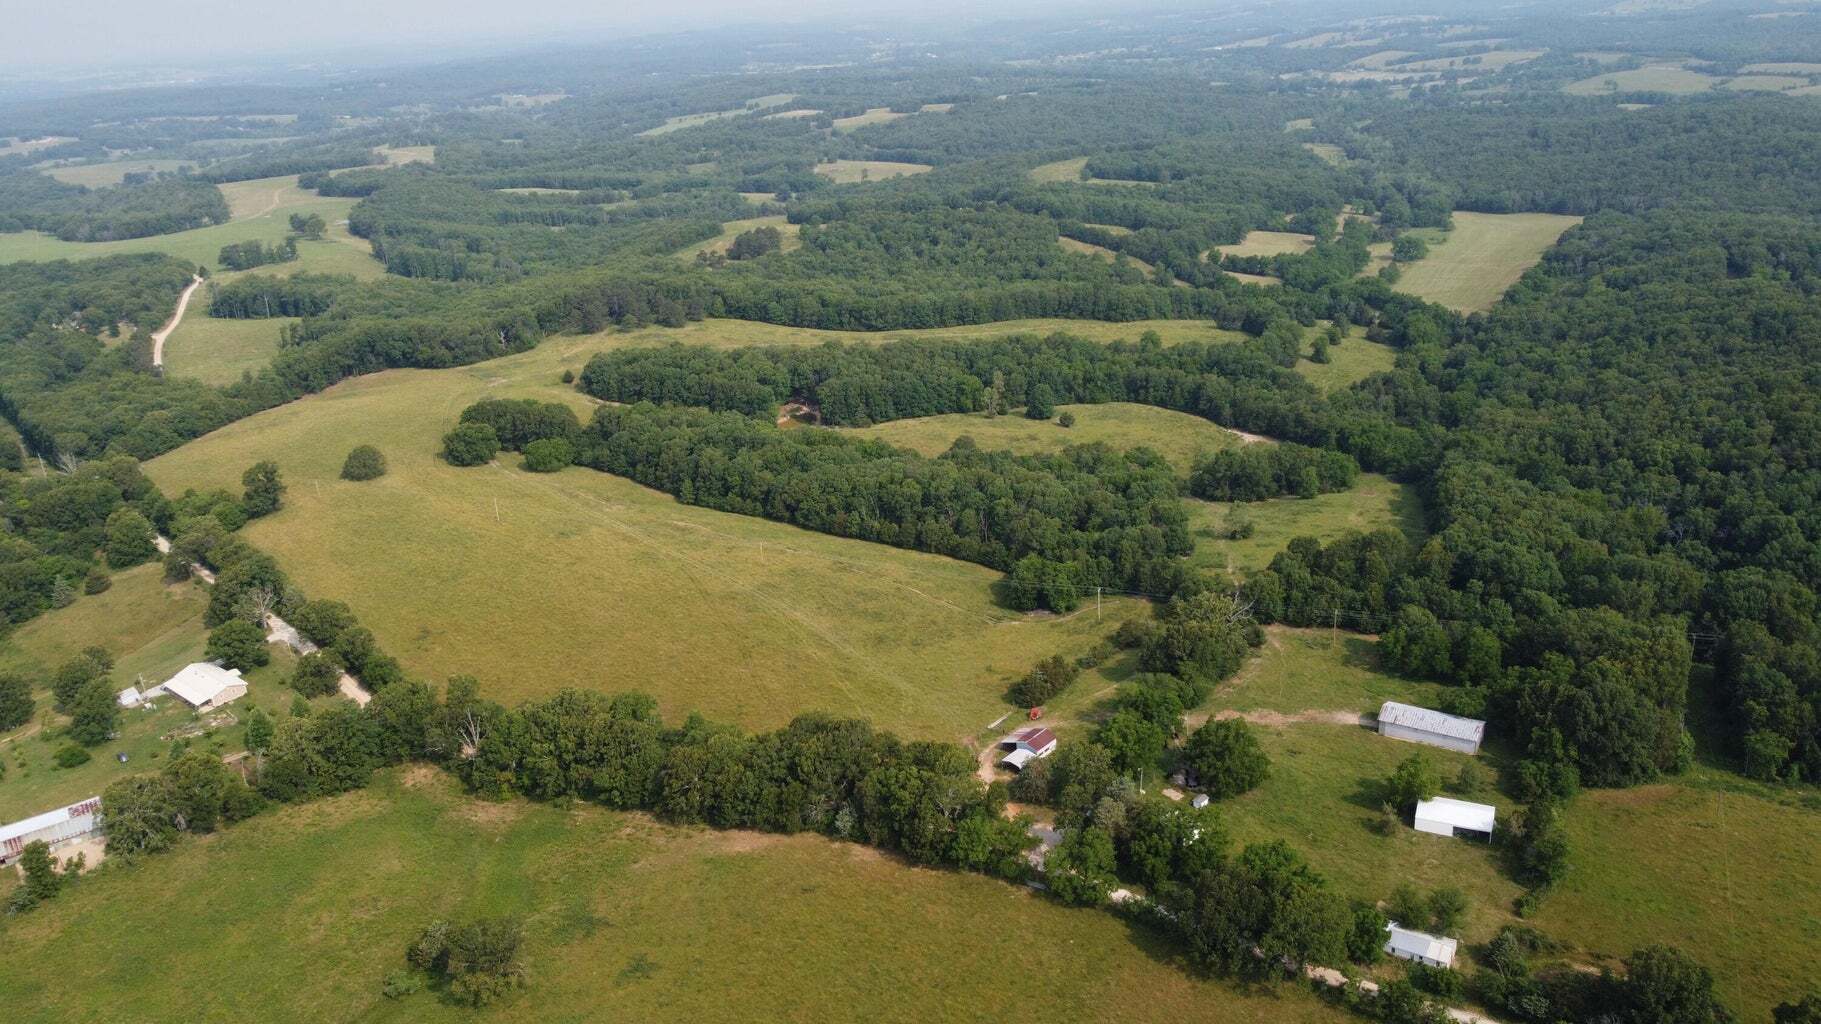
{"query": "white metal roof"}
pixel 1411 943
pixel 129 697
pixel 1458 813
pixel 38 821
pixel 201 682
pixel 1413 717
pixel 1019 758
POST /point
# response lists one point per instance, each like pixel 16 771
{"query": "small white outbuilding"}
pixel 1444 817
pixel 1025 746
pixel 206 686
pixel 1423 725
pixel 1421 947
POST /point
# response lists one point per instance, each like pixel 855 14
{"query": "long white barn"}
pixel 1422 725
pixel 52 827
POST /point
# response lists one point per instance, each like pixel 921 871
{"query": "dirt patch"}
pixel 419 776
pixel 488 814
pixel 1278 719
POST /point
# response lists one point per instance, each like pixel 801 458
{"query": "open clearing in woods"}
pixel 1664 78
pixel 735 228
pixel 112 172
pixel 625 919
pixel 1373 502
pixel 848 172
pixel 261 211
pixel 1485 254
pixel 218 351
pixel 1179 437
pixel 585 579
pixel 1268 243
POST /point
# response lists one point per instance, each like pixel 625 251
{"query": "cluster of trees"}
pixel 30 201
pixel 1255 472
pixel 478 962
pixel 247 255
pixel 1092 516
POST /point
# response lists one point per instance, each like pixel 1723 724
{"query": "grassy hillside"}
pixel 1373 502
pixel 537 582
pixel 300 914
pixel 219 351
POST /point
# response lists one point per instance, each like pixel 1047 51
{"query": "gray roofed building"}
pixel 1437 729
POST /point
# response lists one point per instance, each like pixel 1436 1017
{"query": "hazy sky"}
pixel 80 32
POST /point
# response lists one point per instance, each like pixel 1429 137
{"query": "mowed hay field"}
pixel 625 920
pixel 1269 243
pixel 112 172
pixel 1663 78
pixel 260 210
pixel 534 583
pixel 1483 256
pixel 1179 437
pixel 1349 362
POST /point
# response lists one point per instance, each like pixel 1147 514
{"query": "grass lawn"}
pixel 734 228
pixel 1373 502
pixel 848 172
pixel 1179 437
pixel 218 351
pixel 261 212
pixel 152 630
pixel 1269 243
pixel 536 582
pixel 299 914
pixel 1485 254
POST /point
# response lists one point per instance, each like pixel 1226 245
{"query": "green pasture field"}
pixel 1473 265
pixel 743 333
pixel 218 351
pixel 1373 502
pixel 1090 249
pixel 849 172
pixel 874 115
pixel 1328 152
pixel 261 212
pixel 625 919
pixel 152 629
pixel 534 583
pixel 1179 437
pixel 1060 171
pixel 1349 362
pixel 1652 78
pixel 734 228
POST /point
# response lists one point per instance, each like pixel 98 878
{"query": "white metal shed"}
pixel 1423 725
pixel 1444 817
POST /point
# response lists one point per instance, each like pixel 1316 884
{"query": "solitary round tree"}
pixel 1227 757
pixel 364 463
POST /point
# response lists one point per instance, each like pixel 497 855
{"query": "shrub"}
pixel 1414 780
pixel 548 454
pixel 569 376
pixel 70 755
pixel 16 702
pixel 470 444
pixel 1051 676
pixel 1067 419
pixel 365 462
pixel 1437 981
pixel 97 581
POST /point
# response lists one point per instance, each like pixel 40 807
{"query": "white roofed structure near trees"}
pixel 52 827
pixel 1445 817
pixel 1437 729
pixel 204 685
pixel 1421 947
pixel 1027 745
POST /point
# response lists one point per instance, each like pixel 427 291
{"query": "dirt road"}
pixel 158 336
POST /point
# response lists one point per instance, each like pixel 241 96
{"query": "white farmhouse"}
pixel 1444 817
pixel 1421 947
pixel 1025 746
pixel 206 686
pixel 1421 725
pixel 52 827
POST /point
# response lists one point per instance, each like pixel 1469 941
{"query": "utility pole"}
pixel 1097 614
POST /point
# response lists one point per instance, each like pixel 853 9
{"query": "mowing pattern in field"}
pixel 1483 256
pixel 626 920
pixel 536 582
pixel 1179 437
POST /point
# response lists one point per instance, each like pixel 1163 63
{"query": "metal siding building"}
pixel 52 827
pixel 1410 944
pixel 1444 817
pixel 1421 725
